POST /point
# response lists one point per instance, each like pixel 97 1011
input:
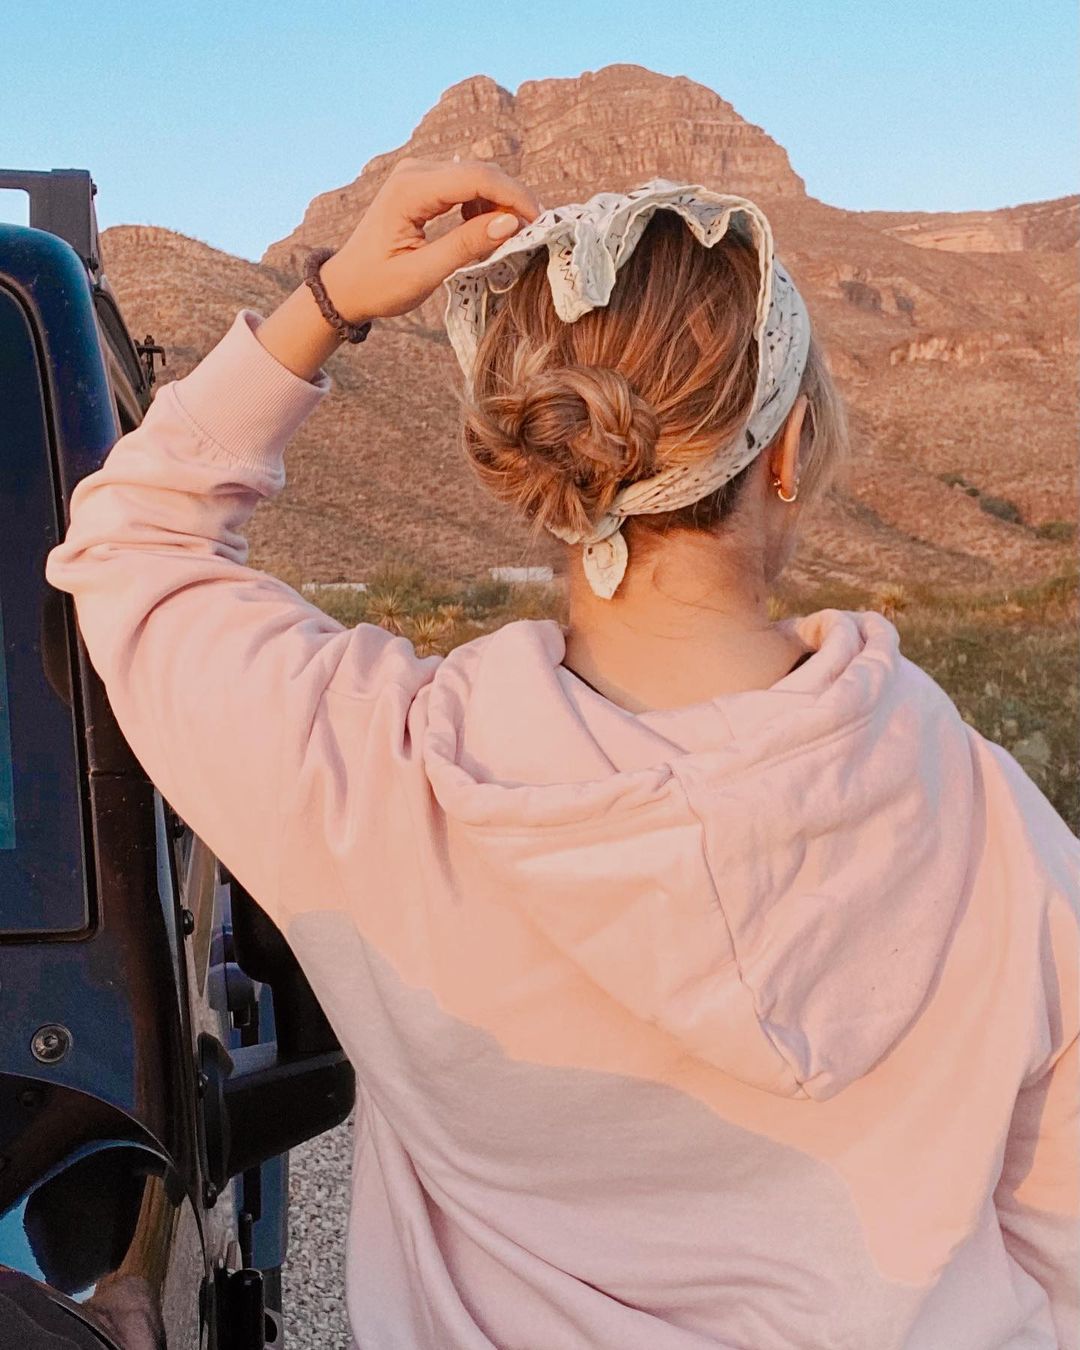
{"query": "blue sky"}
pixel 223 120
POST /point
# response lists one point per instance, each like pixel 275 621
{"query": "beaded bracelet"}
pixel 351 332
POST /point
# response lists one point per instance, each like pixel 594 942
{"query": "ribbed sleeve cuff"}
pixel 244 400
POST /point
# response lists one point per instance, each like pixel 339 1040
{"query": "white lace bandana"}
pixel 587 243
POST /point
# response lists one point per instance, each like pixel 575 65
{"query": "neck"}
pixel 688 622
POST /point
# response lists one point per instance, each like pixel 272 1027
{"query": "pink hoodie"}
pixel 751 1024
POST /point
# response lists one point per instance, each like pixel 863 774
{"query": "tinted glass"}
pixel 42 870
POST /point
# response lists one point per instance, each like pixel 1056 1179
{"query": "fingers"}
pixel 469 242
pixel 476 207
pixel 426 188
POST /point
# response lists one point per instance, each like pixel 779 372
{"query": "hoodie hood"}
pixel 771 877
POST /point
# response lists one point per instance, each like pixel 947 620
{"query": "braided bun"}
pixel 560 444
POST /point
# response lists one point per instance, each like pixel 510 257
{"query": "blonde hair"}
pixel 563 415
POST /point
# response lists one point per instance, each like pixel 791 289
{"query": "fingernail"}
pixel 502 226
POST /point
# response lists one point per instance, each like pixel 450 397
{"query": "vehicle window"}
pixel 42 866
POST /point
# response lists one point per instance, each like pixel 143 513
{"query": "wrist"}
pixel 338 289
pixel 298 336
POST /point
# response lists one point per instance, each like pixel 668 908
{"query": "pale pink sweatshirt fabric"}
pixel 750 1025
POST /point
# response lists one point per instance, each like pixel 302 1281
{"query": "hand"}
pixel 387 266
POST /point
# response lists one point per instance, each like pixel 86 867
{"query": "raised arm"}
pixel 220 675
pixel 217 673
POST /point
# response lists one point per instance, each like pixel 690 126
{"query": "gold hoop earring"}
pixel 776 482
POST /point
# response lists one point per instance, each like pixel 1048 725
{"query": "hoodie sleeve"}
pixel 1038 1195
pixel 219 674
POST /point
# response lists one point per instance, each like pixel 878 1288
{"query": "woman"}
pixel 709 982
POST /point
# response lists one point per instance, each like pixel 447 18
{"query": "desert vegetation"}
pixel 1007 658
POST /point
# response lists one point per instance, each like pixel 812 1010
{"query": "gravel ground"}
pixel 313 1293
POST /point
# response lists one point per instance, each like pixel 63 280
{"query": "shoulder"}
pixel 1033 858
pixel 1020 809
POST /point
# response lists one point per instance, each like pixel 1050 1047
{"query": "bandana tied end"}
pixel 605 564
pixel 603 553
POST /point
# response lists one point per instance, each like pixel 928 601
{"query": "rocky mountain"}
pixel 1052 226
pixel 953 337
pixel 616 126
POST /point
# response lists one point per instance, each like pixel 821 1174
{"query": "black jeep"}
pixel 160 1050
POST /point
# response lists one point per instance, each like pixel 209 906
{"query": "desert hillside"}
pixel 953 337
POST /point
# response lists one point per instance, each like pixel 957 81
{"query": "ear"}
pixel 784 456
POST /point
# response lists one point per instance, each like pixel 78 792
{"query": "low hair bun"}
pixel 560 443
